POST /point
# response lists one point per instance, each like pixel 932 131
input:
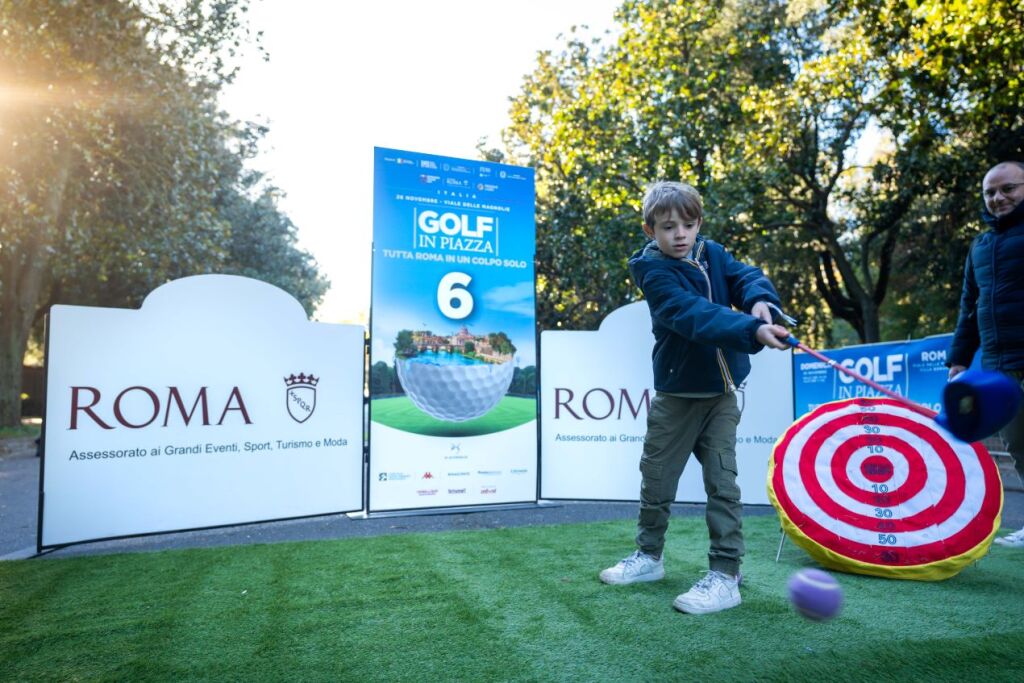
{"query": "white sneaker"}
pixel 714 593
pixel 1014 540
pixel 637 567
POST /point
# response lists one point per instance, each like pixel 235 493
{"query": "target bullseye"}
pixel 876 468
pixel 871 486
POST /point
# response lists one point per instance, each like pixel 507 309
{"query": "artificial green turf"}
pixel 400 412
pixel 518 604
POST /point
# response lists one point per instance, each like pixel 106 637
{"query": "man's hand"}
pixel 762 311
pixel 773 335
pixel 955 370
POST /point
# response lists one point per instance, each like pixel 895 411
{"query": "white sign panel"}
pixel 595 391
pixel 453 370
pixel 218 402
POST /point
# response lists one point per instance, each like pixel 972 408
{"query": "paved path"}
pixel 19 494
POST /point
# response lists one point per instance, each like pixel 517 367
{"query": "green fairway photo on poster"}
pixel 400 413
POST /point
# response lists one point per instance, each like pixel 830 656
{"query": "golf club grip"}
pixel 927 412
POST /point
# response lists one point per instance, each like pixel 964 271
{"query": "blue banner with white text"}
pixel 453 376
pixel 914 368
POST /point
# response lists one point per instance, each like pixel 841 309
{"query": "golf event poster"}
pixel 914 368
pixel 216 403
pixel 453 361
pixel 596 391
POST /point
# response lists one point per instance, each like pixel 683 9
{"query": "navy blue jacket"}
pixel 992 302
pixel 700 343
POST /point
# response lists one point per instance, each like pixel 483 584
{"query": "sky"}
pixel 342 78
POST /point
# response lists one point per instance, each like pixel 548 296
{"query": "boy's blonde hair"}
pixel 665 195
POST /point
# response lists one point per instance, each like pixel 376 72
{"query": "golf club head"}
pixel 978 403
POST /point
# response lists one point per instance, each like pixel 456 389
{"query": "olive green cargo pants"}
pixel 707 428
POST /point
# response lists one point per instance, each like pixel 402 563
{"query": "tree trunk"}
pixel 871 331
pixel 12 352
pixel 24 269
pixel 13 338
pixel 18 304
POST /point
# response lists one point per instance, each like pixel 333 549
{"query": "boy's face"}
pixel 674 234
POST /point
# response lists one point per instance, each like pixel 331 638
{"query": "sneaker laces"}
pixel 633 559
pixel 708 580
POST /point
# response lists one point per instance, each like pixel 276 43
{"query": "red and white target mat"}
pixel 869 486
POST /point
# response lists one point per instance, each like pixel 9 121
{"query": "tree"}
pixel 405 346
pixel 117 171
pixel 263 244
pixel 500 342
pixel 384 380
pixel 959 67
pixel 524 381
pixel 115 267
pixel 600 122
pixel 809 187
pixel 764 106
pixel 868 219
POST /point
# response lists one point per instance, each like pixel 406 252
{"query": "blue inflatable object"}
pixel 978 403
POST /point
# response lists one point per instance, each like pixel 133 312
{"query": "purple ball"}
pixel 815 594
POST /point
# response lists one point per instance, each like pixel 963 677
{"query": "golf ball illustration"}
pixel 454 392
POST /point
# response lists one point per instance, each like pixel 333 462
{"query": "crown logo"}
pixel 301 380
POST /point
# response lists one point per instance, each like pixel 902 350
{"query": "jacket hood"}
pixel 1000 223
pixel 649 256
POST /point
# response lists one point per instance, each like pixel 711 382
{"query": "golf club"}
pixel 975 404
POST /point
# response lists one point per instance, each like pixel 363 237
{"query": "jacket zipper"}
pixel 992 303
pixel 723 367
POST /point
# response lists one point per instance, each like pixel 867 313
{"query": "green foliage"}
pixel 524 381
pixel 401 413
pixel 500 342
pixel 117 170
pixel 763 106
pixel 384 380
pixel 958 70
pixel 263 244
pixel 600 122
pixel 404 344
pixel 25 430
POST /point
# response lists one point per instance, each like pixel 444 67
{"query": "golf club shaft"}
pixel 928 412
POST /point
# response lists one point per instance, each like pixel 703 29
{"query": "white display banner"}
pixel 453 369
pixel 216 403
pixel 595 391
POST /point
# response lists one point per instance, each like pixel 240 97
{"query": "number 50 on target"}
pixel 869 486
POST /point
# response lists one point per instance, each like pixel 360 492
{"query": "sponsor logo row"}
pixel 405 476
pixel 484 490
